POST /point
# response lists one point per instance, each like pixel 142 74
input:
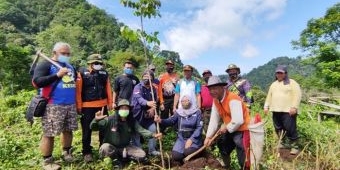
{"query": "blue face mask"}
pixel 63 59
pixel 128 71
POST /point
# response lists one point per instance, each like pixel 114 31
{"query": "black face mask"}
pixel 146 82
pixel 233 75
pixel 169 70
pixel 206 79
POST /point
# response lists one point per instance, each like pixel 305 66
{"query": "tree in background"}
pixel 321 41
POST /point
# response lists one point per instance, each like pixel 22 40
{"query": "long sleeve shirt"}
pixel 236 114
pixel 281 98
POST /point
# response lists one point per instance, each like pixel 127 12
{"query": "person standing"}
pixel 234 130
pixel 207 100
pixel 283 100
pixel 166 90
pixel 187 86
pixel 144 108
pixel 118 131
pixel 93 93
pixel 60 115
pixel 239 85
pixel 124 84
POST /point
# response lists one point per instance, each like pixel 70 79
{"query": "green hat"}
pixel 123 102
pixel 94 58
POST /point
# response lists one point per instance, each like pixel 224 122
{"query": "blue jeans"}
pixel 151 142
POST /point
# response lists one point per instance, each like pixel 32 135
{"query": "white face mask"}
pixel 97 67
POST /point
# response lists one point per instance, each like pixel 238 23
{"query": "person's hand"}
pixel 223 129
pixel 265 111
pixel 151 104
pixel 292 111
pixel 62 72
pixel 157 119
pixel 99 115
pixel 79 111
pixel 157 135
pixel 188 143
pixel 151 112
pixel 207 141
pixel 162 107
pixel 113 105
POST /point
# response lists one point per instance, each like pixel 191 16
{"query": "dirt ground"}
pixel 285 155
pixel 205 159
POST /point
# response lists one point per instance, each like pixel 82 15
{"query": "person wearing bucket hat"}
pixel 166 90
pixel 144 109
pixel 234 130
pixel 239 85
pixel 118 132
pixel 283 100
pixel 93 93
pixel 187 86
pixel 124 84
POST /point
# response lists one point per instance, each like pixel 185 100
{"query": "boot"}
pixel 226 161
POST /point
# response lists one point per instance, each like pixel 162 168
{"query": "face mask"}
pixel 63 59
pixel 128 71
pixel 123 113
pixel 146 82
pixel 169 70
pixel 233 75
pixel 206 79
pixel 97 67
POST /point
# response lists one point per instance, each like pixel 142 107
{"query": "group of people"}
pixel 194 110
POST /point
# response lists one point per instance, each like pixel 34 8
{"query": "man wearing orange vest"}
pixel 234 130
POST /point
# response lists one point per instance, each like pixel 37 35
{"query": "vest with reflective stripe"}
pixel 224 110
pixel 94 85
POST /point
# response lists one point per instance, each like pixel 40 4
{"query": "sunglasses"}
pixel 97 63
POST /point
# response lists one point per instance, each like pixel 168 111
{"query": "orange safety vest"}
pixel 224 110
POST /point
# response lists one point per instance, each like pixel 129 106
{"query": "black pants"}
pixel 228 142
pixel 88 115
pixel 168 105
pixel 176 156
pixel 286 124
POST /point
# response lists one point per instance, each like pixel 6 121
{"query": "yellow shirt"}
pixel 281 98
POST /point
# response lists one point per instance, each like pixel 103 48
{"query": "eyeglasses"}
pixel 97 63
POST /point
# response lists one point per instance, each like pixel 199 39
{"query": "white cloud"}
pixel 250 51
pixel 218 24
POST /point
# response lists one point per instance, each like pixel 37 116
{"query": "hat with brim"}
pixel 122 102
pixel 187 68
pixel 281 69
pixel 206 72
pixel 215 81
pixel 94 58
pixel 169 62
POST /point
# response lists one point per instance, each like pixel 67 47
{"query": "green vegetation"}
pixel 28 25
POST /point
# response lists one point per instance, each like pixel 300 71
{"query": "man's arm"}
pixel 213 122
pixel 42 76
pixel 236 115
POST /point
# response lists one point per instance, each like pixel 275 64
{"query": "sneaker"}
pixel 49 164
pixel 88 158
pixel 67 156
pixel 155 153
pixel 294 151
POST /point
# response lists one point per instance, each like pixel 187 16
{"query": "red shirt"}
pixel 207 100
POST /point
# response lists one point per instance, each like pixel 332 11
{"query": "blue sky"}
pixel 211 34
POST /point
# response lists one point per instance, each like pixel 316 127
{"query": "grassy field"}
pixel 19 142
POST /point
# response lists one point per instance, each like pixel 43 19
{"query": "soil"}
pixel 205 159
pixel 285 155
